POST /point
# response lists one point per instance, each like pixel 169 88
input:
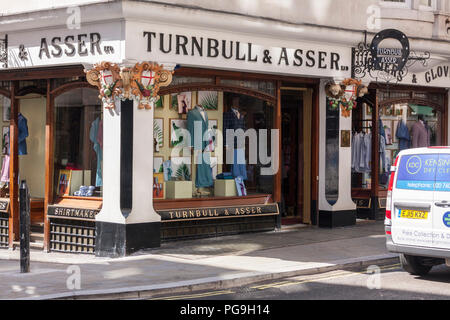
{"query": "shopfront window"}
pixel 78 143
pixel 404 123
pixel 405 126
pixel 332 155
pixel 362 147
pixel 181 118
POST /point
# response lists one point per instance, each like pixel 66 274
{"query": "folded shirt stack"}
pixel 225 176
pixel 85 191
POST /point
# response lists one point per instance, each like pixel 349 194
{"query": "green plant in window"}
pixel 177 137
pixel 158 133
pixel 209 101
pixel 183 173
pixel 159 103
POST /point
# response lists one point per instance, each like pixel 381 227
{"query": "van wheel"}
pixel 414 265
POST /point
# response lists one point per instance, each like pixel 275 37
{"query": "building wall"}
pixel 21 6
pixel 411 17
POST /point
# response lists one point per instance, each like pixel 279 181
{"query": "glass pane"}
pixel 332 154
pixel 174 131
pixel 78 144
pixel 407 126
pixel 362 147
pixel 178 80
pixel 263 86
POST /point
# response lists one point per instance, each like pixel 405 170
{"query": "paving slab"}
pixel 187 265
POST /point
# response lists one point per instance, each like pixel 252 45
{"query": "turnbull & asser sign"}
pixel 218 212
pixel 225 50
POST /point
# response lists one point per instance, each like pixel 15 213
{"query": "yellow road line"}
pixel 334 276
pixel 198 295
pixel 275 285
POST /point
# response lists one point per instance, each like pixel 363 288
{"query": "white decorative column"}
pixel 142 199
pixel 343 212
pixel 128 222
pixel 324 205
pixel 110 211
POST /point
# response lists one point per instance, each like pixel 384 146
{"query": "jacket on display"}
pixel 203 177
pixel 420 137
pixel 23 134
pixel 96 137
pixel 235 120
pixel 402 135
pixel 361 152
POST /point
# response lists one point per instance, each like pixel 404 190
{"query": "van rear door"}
pixel 441 203
pixel 412 199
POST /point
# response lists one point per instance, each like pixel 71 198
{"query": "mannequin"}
pixel 96 137
pixel 419 134
pixel 203 177
pixel 234 120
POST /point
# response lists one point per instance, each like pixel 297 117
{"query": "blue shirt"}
pixel 23 134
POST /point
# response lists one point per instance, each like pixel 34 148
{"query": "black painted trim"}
pixel 278 218
pixel 334 219
pixel 126 157
pixel 314 212
pixel 119 240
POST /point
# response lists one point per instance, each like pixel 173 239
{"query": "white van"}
pixel 417 220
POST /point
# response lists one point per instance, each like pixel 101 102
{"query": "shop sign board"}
pixel 90 44
pixel 55 211
pixel 389 59
pixel 218 212
pixel 243 52
pixel 4 205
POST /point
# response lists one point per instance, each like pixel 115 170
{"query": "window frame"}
pixel 406 4
pixel 433 6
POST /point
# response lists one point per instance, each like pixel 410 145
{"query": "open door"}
pixel 296 109
pixel 31 120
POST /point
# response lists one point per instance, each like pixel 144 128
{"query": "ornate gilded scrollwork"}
pixel 142 82
pixel 106 77
pixel 345 94
pixel 145 83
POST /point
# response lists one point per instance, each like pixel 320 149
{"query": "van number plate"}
pixel 414 214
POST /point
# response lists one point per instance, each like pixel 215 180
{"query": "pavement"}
pixel 203 264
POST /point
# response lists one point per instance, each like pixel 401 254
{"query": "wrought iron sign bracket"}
pixel 385 64
pixel 4 52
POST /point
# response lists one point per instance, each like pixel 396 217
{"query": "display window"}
pixel 78 144
pixel 405 119
pixel 194 157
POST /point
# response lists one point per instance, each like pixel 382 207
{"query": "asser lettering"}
pixel 70 46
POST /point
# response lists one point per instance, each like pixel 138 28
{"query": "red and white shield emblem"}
pixel 107 77
pixel 147 78
pixel 350 92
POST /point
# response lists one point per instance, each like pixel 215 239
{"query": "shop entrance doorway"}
pixel 296 111
pixel 31 158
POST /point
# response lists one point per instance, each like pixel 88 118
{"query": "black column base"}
pixel 314 212
pixel 278 218
pixel 335 219
pixel 116 240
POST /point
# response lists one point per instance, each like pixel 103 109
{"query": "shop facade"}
pixel 107 106
pixel 102 187
pixel 406 108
